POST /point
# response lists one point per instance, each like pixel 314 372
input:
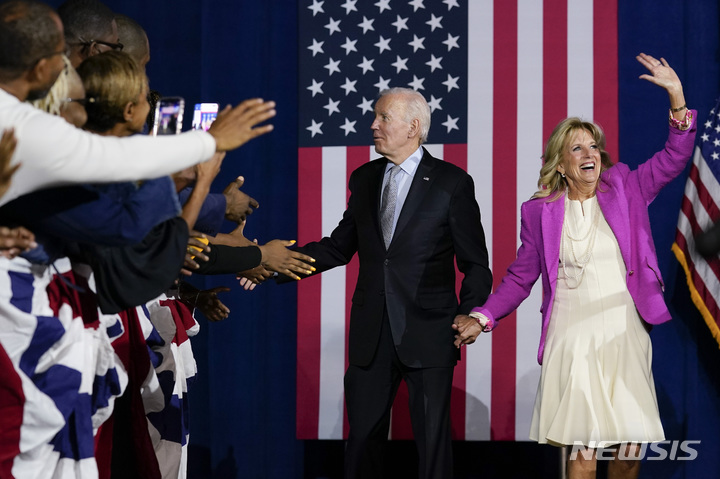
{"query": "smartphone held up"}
pixel 168 116
pixel 204 115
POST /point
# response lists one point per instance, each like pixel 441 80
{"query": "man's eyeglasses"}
pixel 112 46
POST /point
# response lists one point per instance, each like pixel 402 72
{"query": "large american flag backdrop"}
pixel 698 213
pixel 499 75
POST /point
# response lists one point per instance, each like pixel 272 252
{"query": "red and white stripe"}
pixel 699 211
pixel 530 65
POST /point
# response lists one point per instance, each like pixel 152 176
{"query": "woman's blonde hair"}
pixel 551 181
pixel 112 80
pixel 56 97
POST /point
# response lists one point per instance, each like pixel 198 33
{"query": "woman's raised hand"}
pixel 661 73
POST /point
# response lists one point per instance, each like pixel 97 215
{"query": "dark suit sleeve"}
pixel 336 249
pixel 470 249
pixel 223 259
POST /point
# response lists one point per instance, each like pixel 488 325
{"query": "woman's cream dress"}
pixel 596 384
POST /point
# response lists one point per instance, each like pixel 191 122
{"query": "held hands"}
pixel 236 126
pixel 468 329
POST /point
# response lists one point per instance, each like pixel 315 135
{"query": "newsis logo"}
pixel 656 451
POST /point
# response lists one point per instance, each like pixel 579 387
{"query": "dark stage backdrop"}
pixel 243 402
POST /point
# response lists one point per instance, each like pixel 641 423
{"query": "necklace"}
pixel 568 238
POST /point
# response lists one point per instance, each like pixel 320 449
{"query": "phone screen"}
pixel 204 115
pixel 169 116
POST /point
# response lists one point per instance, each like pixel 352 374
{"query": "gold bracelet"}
pixel 675 110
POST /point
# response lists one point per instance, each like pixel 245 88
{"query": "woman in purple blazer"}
pixel 586 232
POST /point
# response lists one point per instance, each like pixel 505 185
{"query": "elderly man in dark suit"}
pixel 409 216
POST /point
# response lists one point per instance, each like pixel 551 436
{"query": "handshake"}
pixel 275 257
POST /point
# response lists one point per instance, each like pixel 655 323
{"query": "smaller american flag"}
pixel 698 213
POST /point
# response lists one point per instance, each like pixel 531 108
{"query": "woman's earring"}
pixel 562 174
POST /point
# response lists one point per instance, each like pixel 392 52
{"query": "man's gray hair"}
pixel 415 107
